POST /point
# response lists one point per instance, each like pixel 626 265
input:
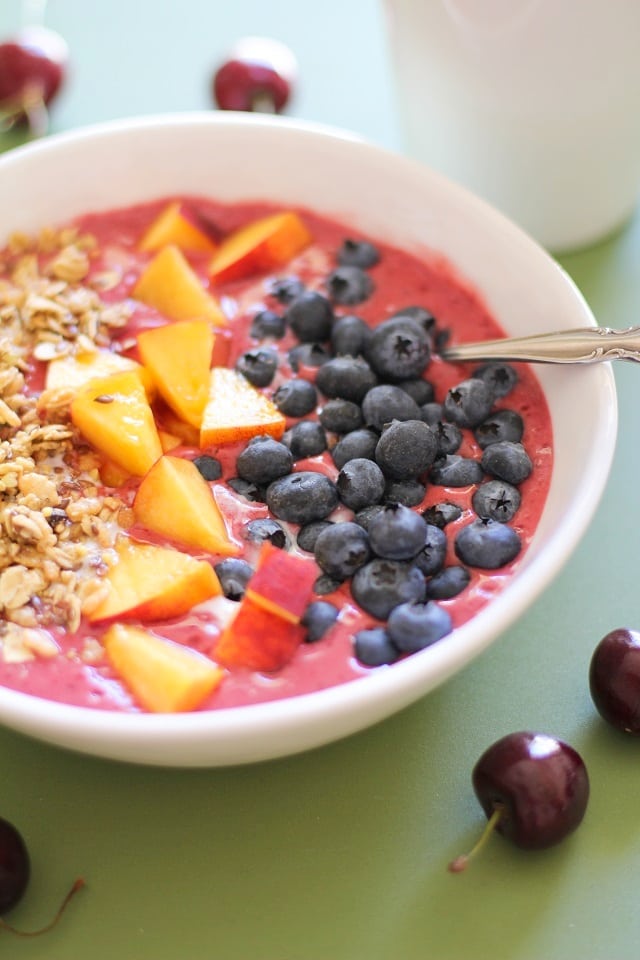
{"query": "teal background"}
pixel 341 853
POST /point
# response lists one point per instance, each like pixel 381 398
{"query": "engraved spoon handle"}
pixel 583 345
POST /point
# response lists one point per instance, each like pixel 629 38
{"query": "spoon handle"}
pixel 583 345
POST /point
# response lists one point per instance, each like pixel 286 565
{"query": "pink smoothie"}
pixel 401 279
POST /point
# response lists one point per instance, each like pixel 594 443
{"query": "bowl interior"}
pixel 244 157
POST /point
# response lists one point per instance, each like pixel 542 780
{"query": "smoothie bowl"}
pixel 247 508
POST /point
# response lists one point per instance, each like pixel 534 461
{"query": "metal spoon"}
pixel 582 345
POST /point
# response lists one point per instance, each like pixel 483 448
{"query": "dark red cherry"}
pixel 614 679
pixel 258 76
pixel 32 70
pixel 14 867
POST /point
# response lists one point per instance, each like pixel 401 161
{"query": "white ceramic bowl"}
pixel 243 156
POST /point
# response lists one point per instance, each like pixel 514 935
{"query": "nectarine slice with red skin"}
pixel 149 582
pixel 164 676
pixel 257 639
pixel 114 415
pixel 178 358
pixel 260 246
pixel 282 583
pixel 175 501
pixel 78 371
pixel 176 224
pixel 170 285
pixel 237 411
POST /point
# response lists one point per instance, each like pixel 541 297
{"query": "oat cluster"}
pixel 56 526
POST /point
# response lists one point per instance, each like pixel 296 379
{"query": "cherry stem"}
pixel 78 885
pixel 461 863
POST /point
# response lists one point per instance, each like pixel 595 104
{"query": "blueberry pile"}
pixel 361 395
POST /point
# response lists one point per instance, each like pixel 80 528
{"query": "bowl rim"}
pixel 402 682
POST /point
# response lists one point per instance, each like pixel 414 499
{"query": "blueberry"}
pixel 366 515
pixel 440 514
pixel 308 534
pixel 406 449
pixel 507 461
pixel 496 500
pixel 305 439
pixel 355 445
pixel 487 544
pixel 265 528
pixel 349 378
pixel 302 497
pixel 448 583
pixel 341 416
pixel 209 467
pixel 310 316
pixel 453 470
pixel 385 403
pixel 399 349
pixel 397 532
pixel 431 558
pixel 500 425
pixel 349 285
pixel 318 618
pixel 382 584
pixel 326 584
pixel 432 413
pixel 250 491
pixel 286 289
pixel 234 575
pixel 296 398
pixel 357 253
pixel 449 437
pixel 342 549
pixel 360 483
pixel 373 647
pixel 349 336
pixel 501 377
pixel 468 403
pixel 263 460
pixel 421 390
pixel 266 324
pixel 308 355
pixel 415 626
pixel 258 366
pixel 408 492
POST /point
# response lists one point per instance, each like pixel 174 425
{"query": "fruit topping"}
pixel 236 410
pixel 170 285
pixel 178 224
pixel 282 583
pixel 178 358
pixel 264 244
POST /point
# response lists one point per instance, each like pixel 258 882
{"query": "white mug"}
pixel 532 104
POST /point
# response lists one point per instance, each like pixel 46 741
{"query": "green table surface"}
pixel 341 853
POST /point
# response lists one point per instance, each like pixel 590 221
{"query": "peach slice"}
pixel 148 582
pixel 77 371
pixel 169 284
pixel 163 676
pixel 259 246
pixel 282 583
pixel 176 224
pixel 178 357
pixel 171 424
pixel 114 415
pixel 257 639
pixel 236 411
pixel 175 501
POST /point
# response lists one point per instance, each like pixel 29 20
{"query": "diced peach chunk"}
pixel 236 411
pixel 78 371
pixel 176 224
pixel 257 639
pixel 170 423
pixel 149 582
pixel 259 246
pixel 282 582
pixel 174 500
pixel 178 357
pixel 169 284
pixel 163 676
pixel 114 415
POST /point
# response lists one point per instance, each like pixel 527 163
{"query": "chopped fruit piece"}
pixel 169 441
pixel 79 371
pixel 258 639
pixel 114 415
pixel 282 583
pixel 171 424
pixel 237 411
pixel 112 475
pixel 176 501
pixel 164 676
pixel 178 357
pixel 177 225
pixel 170 285
pixel 259 246
pixel 154 583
